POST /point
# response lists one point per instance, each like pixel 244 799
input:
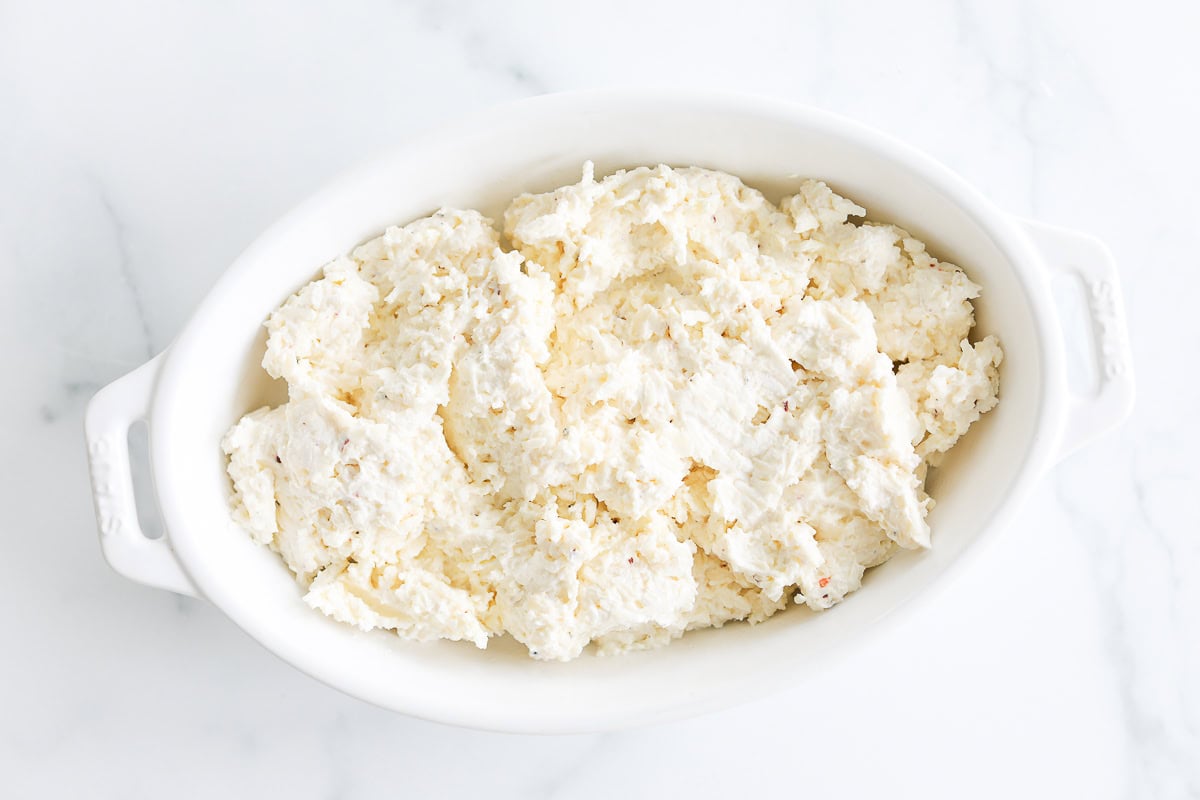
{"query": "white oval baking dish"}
pixel 191 393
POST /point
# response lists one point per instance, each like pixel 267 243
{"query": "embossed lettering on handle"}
pixel 1114 360
pixel 108 507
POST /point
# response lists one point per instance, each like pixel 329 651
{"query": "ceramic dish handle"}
pixel 106 427
pixel 1094 413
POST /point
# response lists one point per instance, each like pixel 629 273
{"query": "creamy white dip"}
pixel 657 402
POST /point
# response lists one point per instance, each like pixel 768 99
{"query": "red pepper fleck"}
pixel 785 406
pixel 631 559
pixel 824 582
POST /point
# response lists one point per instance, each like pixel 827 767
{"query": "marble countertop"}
pixel 142 146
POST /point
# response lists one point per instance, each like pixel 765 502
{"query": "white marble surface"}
pixel 142 145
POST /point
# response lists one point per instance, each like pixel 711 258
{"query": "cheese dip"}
pixel 647 404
